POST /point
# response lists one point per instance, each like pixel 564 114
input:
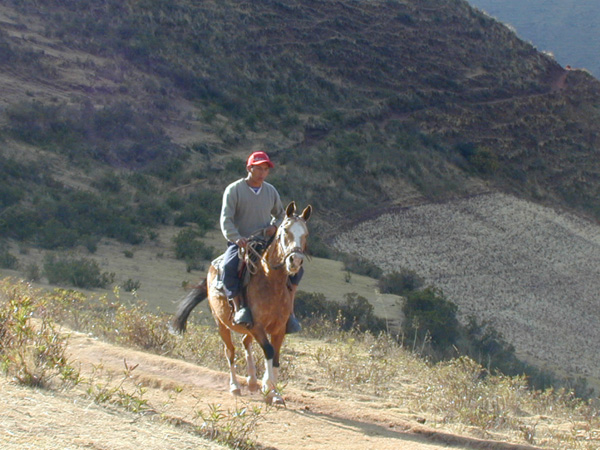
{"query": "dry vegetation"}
pixel 125 117
pixel 558 27
pixel 384 394
pixel 529 270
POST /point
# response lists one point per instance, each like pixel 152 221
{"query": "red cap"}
pixel 257 158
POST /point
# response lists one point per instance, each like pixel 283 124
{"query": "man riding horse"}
pixel 250 205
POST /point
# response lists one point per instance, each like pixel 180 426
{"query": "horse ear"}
pixel 306 213
pixel 291 209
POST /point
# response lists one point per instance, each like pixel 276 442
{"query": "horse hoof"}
pixel 274 399
pixel 236 392
pixel 253 387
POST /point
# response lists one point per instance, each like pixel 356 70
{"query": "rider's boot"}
pixel 241 313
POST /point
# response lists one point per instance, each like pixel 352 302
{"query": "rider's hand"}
pixel 270 230
pixel 241 242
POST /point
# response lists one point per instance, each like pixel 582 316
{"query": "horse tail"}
pixel 187 304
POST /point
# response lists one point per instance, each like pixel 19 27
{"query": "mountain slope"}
pixel 122 116
pixel 530 271
pixel 568 29
pixel 431 93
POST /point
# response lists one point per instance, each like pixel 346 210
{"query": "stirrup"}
pixel 243 317
pixel 292 326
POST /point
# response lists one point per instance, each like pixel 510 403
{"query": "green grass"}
pixel 401 116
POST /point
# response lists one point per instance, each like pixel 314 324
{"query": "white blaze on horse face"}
pixel 298 230
pixel 295 237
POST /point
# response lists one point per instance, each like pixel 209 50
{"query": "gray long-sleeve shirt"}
pixel 244 212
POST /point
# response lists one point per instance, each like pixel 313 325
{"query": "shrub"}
pixel 82 272
pixel 400 283
pixel 199 208
pixel 355 313
pixel 427 313
pixel 234 429
pixel 360 266
pixel 189 248
pixel 152 212
pixel 482 160
pixel 32 350
pixel 358 313
pixel 32 272
pixel 485 161
pixel 109 182
pixel 9 195
pixel 131 285
pixel 310 305
pixel 54 235
pixel 7 260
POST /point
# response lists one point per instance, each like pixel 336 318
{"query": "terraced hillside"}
pixel 568 29
pixel 121 116
pixel 531 271
pixel 422 99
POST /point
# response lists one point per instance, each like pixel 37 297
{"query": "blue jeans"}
pixel 232 283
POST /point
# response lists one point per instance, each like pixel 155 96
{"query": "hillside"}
pixel 315 420
pixel 377 395
pixel 155 106
pixel 529 270
pixel 122 119
pixel 567 29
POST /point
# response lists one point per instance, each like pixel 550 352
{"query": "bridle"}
pixel 286 254
pixel 258 248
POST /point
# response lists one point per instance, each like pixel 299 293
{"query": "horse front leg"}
pixel 272 371
pixel 234 386
pixel 250 364
pixel 269 381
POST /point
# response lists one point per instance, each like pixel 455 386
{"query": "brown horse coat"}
pixel 269 298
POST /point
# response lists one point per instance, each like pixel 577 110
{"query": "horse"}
pixel 269 296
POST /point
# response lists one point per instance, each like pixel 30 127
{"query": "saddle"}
pixel 249 258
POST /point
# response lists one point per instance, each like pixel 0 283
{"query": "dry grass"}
pixel 163 278
pixel 529 270
pixel 457 396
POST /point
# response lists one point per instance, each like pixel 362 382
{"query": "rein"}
pixel 254 251
pixel 257 249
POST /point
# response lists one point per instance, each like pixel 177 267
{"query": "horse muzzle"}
pixel 293 262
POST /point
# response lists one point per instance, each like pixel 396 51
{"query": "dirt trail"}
pixel 47 420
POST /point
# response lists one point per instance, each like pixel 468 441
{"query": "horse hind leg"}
pixel 234 386
pixel 250 364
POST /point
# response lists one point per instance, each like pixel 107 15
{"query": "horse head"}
pixel 291 237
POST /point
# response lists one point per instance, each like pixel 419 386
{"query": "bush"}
pixel 82 273
pixel 427 313
pixel 360 266
pixel 188 247
pixel 54 235
pixel 32 350
pixel 355 313
pixel 482 160
pixel 32 272
pixel 400 283
pixel 9 195
pixel 358 313
pixel 131 285
pixel 7 260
